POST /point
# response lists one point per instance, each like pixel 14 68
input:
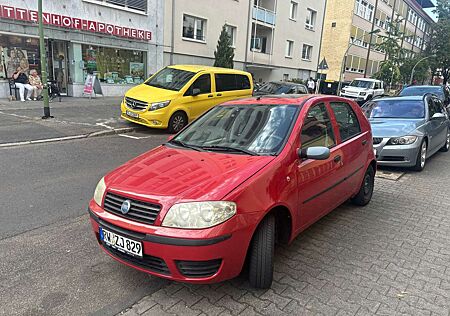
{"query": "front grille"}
pixel 136 104
pixel 140 211
pixel 199 269
pixel 392 158
pixel 150 263
pixel 377 140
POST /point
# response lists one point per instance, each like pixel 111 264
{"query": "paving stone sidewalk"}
pixel 389 258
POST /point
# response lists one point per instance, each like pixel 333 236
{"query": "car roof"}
pixel 366 79
pixel 286 83
pixel 423 86
pixel 405 98
pixel 198 68
pixel 281 99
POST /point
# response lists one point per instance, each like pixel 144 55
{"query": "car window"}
pixel 432 109
pixel 302 90
pixel 394 108
pixel 377 85
pixel 347 120
pixel 230 82
pixel 317 129
pixel 203 83
pixel 170 78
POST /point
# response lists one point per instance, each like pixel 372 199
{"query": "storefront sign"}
pixel 13 13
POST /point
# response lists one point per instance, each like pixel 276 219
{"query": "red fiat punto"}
pixel 244 176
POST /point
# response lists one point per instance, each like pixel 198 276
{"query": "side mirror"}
pixel 316 153
pixel 195 92
pixel 438 116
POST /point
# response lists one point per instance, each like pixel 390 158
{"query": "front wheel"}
pixel 177 122
pixel 261 254
pixel 421 157
pixel 447 142
pixel 366 190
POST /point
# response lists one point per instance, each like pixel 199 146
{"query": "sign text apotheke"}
pixel 73 23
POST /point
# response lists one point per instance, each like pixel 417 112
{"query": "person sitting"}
pixel 21 82
pixel 36 83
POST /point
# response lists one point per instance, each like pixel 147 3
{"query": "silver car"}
pixel 408 130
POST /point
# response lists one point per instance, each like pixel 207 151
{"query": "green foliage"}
pixel 224 53
pixel 440 41
pixel 389 72
pixel 421 72
pixel 391 43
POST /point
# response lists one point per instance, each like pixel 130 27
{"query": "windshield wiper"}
pixel 183 144
pixel 229 149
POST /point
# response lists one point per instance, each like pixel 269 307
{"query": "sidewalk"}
pixel 21 122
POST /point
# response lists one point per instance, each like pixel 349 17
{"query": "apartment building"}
pixel 273 39
pixel 348 24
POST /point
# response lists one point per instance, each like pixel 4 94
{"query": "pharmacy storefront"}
pixel 101 39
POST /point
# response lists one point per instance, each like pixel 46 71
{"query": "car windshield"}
pixel 242 129
pixel 410 91
pixel 403 109
pixel 361 84
pixel 275 88
pixel 170 79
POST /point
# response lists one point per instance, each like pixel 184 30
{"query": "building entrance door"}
pixel 59 67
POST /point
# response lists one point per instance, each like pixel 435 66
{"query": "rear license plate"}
pixel 121 243
pixel 132 114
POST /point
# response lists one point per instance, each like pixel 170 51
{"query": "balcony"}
pixel 264 15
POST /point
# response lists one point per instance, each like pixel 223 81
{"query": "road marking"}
pixel 129 136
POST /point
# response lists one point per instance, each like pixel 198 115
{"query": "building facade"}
pixel 119 41
pixel 273 39
pixel 349 29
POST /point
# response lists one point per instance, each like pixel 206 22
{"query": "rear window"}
pixel 402 109
pixel 230 82
pixel 411 91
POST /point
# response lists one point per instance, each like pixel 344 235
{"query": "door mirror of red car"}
pixel 316 153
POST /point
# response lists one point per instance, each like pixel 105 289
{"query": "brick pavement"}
pixel 389 258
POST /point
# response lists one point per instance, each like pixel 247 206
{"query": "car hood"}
pixel 169 175
pixel 150 94
pixel 394 127
pixel 354 89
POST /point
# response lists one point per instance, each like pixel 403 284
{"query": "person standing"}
pixel 21 81
pixel 311 85
pixel 36 83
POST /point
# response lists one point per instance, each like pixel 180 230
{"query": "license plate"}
pixel 132 114
pixel 121 243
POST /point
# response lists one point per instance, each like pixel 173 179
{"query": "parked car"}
pixel 363 89
pixel 178 94
pixel 276 88
pixel 244 175
pixel 408 130
pixel 442 92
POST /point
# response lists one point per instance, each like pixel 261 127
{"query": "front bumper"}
pixel 154 119
pixel 397 155
pixel 202 258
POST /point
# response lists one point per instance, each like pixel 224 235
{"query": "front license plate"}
pixel 121 243
pixel 132 114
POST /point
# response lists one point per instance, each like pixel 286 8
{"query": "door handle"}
pixel 219 94
pixel 210 95
pixel 337 159
pixel 364 142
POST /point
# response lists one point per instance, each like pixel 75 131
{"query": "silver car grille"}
pixel 136 104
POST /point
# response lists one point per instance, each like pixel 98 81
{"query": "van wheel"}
pixel 366 190
pixel 177 122
pixel 421 157
pixel 447 142
pixel 261 254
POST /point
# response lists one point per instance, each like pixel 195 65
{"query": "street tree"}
pixel 421 72
pixel 389 72
pixel 440 41
pixel 224 53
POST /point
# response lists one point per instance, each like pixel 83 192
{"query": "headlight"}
pixel 196 215
pixel 159 105
pixel 362 93
pixel 405 140
pixel 99 191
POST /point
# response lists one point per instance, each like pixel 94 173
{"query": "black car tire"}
pixel 420 160
pixel 261 255
pixel 366 190
pixel 447 142
pixel 177 122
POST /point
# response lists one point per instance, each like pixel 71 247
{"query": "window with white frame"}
pixel 139 5
pixel 307 52
pixel 231 30
pixel 289 48
pixel 364 9
pixel 194 28
pixel 293 10
pixel 310 19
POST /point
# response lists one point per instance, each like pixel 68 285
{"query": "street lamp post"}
pixel 43 63
pixel 345 57
pixel 412 71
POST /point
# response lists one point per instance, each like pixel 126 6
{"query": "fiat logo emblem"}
pixel 125 208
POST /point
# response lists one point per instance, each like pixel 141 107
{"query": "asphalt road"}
pixel 50 263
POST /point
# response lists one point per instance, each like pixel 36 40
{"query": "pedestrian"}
pixel 311 85
pixel 36 83
pixel 21 82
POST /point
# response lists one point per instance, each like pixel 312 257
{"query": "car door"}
pixel 230 87
pixel 198 104
pixel 436 127
pixel 378 89
pixel 317 180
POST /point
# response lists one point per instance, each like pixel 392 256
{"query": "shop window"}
pixel 119 66
pixel 18 51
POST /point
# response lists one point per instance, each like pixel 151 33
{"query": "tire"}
pixel 261 254
pixel 446 146
pixel 364 195
pixel 177 122
pixel 421 157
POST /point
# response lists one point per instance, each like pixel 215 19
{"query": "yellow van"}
pixel 179 94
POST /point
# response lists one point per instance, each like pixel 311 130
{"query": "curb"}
pixel 60 139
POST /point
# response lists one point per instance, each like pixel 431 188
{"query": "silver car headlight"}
pixel 405 140
pixel 195 215
pixel 99 191
pixel 159 105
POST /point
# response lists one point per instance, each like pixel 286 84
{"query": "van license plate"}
pixel 121 243
pixel 132 114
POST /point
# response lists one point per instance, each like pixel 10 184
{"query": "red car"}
pixel 242 177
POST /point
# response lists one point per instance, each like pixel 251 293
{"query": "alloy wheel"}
pixel 178 123
pixel 423 154
pixel 447 145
